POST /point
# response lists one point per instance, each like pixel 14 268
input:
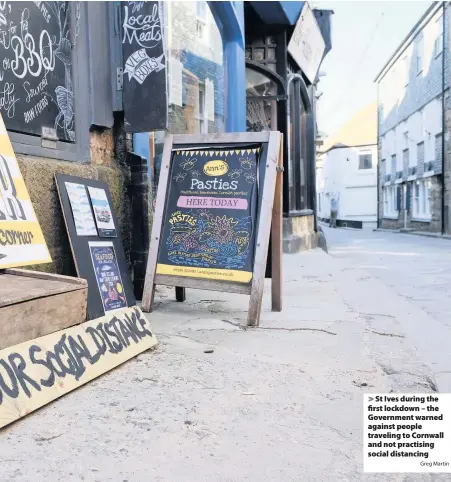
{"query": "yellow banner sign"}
pixel 38 371
pixel 21 240
pixel 209 273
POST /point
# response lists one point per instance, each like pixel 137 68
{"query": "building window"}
pixel 390 201
pixel 420 153
pixel 419 54
pixel 201 9
pixel 196 69
pixel 438 43
pixel 422 199
pixel 393 163
pixel 365 161
pixel 405 64
pixel 203 124
pixel 405 140
pixel 201 21
pixel 405 158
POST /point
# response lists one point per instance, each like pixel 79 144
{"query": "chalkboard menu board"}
pixel 144 90
pixel 219 198
pixel 35 68
pixel 210 215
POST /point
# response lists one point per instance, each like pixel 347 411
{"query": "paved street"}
pixel 277 403
pixel 417 268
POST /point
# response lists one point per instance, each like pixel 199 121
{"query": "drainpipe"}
pixel 378 170
pixel 139 193
pixel 443 120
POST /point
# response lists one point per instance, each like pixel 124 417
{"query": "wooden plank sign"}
pixel 213 216
pixel 21 240
pixel 39 371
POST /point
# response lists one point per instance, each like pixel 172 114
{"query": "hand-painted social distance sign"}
pixel 210 221
pixel 38 371
pixel 21 240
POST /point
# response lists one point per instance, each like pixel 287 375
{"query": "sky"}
pixel 364 36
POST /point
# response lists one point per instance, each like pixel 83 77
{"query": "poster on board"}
pixel 80 245
pixel 81 209
pixel 21 240
pixel 102 212
pixel 210 218
pixel 108 275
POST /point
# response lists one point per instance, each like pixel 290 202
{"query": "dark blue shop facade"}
pixel 237 66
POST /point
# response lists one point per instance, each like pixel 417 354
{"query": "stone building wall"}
pixel 106 165
pixel 415 91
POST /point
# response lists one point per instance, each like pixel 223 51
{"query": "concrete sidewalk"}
pixel 282 402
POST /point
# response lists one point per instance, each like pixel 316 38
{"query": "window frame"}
pixel 390 202
pixel 203 121
pixel 421 200
pixel 438 41
pixel 362 155
pixel 405 61
pixel 202 22
pixel 393 165
pixel 419 54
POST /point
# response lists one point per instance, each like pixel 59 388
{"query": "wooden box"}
pixel 34 304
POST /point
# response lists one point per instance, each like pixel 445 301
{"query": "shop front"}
pixel 205 59
pixel 280 87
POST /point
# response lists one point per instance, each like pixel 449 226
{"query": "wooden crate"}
pixel 34 304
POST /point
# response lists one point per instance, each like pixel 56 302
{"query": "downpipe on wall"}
pixel 139 194
pixel 443 119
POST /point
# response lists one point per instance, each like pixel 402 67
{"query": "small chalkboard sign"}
pixel 218 196
pixel 96 243
pixel 143 50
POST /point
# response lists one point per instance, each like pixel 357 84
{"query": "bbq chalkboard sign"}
pixel 36 89
pixel 144 90
pixel 213 216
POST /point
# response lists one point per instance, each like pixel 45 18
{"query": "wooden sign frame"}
pixel 269 221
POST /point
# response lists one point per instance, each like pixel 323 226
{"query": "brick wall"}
pixel 434 225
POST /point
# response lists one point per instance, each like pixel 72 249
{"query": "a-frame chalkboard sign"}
pixel 219 199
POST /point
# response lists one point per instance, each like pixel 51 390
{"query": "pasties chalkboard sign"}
pixel 210 216
pixel 219 198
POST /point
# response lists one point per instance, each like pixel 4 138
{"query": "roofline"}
pixel 404 44
pixel 346 147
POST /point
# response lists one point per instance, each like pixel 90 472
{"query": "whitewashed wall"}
pixel 338 174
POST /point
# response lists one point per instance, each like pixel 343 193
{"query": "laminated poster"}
pixel 108 275
pixel 211 215
pixel 102 212
pixel 81 209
